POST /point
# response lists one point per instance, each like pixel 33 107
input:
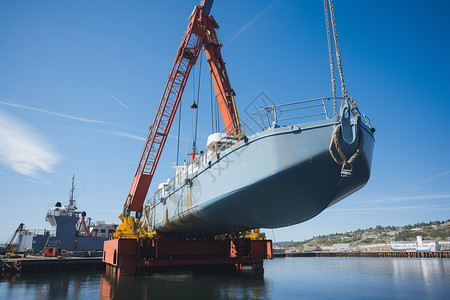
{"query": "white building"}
pixel 372 248
pixel 444 245
pixel 419 245
pixel 337 248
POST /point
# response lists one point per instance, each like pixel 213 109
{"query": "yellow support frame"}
pixel 131 227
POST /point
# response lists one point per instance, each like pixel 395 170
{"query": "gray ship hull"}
pixel 278 177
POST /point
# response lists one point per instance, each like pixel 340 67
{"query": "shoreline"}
pixel 393 254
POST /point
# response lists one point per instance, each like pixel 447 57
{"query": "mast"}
pixel 72 201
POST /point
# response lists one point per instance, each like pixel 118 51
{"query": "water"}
pixel 284 278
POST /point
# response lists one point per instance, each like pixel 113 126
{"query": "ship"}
pixel 72 230
pixel 280 172
pixel 280 166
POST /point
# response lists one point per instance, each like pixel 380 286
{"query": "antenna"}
pixel 72 190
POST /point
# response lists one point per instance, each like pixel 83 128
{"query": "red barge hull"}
pixel 131 256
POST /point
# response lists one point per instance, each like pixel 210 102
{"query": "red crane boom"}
pixel 200 32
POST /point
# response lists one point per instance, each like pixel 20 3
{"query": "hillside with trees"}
pixel 435 230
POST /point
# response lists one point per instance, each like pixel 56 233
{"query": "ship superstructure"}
pixel 71 231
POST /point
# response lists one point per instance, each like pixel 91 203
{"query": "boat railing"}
pixel 260 120
pixel 39 232
pixel 63 212
pixel 284 114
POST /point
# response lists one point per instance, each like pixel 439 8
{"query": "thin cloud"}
pixel 136 137
pixel 421 197
pixel 55 113
pixel 118 101
pixel 24 149
pixel 434 177
pixel 403 208
pixel 124 134
pixel 250 23
pixel 65 116
pixel 407 198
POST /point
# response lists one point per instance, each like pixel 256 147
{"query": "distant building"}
pixel 371 248
pixel 309 248
pixel 444 245
pixel 341 247
pixel 337 248
pixel 291 250
pixel 419 245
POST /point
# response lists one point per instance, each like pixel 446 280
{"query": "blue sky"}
pixel 80 82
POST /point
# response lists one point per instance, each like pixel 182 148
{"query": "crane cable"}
pixel 194 146
pixel 215 123
pixel 179 129
pixel 212 105
pixel 336 44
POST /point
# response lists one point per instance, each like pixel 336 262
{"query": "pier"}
pixel 394 254
pixel 32 263
pixel 49 264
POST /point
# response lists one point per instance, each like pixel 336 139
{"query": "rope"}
pixel 335 191
pixel 336 152
pixel 330 52
pixel 338 54
pixel 178 204
pixel 354 109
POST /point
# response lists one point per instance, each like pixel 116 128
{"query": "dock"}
pixel 393 254
pixel 32 263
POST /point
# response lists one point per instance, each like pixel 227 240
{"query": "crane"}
pixel 11 244
pixel 200 33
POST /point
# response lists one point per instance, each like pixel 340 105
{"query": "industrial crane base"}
pixel 136 256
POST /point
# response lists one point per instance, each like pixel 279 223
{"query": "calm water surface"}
pixel 284 278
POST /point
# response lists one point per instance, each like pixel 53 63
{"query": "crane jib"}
pixel 200 33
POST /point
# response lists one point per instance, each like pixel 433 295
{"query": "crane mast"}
pixel 223 91
pixel 200 33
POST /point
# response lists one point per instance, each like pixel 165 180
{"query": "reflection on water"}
pixel 426 272
pixel 285 278
pixel 68 285
pixel 182 285
pixel 360 278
